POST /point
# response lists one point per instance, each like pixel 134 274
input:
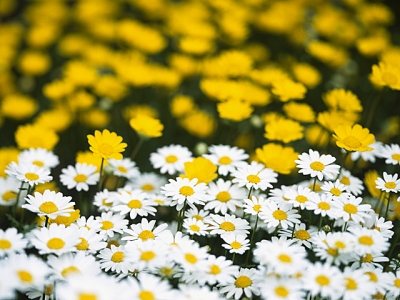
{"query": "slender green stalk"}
pixel 320 222
pixel 101 174
pixel 387 206
pixel 46 222
pixel 251 241
pixel 137 147
pixel 346 154
pixel 315 182
pixel 181 216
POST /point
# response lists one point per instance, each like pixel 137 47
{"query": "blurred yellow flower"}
pixel 195 45
pixel 146 127
pixel 191 121
pixel 7 155
pixel 18 107
pixel 385 74
pixel 234 110
pixel 354 138
pixel 34 63
pixel 369 179
pixel 317 136
pixel 183 64
pixel 306 74
pixel 95 118
pixel 333 118
pixel 57 119
pixel 201 168
pixel 231 63
pixel 80 73
pixel 35 136
pixel 283 130
pixel 332 55
pixel 132 111
pixel 181 105
pixel 277 157
pixel 106 144
pixel 110 87
pixel 89 158
pixel 75 215
pixel 58 89
pixel 51 185
pixel 343 100
pixel 288 89
pixel 301 112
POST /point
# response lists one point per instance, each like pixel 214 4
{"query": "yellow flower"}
pixel 181 105
pixel 192 120
pixel 34 63
pixel 58 89
pixel 18 107
pixel 343 100
pixel 134 110
pixel 317 136
pixel 332 119
pixel 183 64
pixel 283 130
pixel 7 155
pixel 307 74
pixel 73 216
pixel 35 136
pixel 95 118
pixel 354 138
pixel 106 144
pixel 231 63
pixel 80 73
pixel 89 158
pixel 299 111
pixel 374 44
pixel 51 185
pixel 234 110
pixel 146 127
pixel 110 87
pixel 278 158
pixel 201 168
pixel 329 54
pixel 369 179
pixel 195 45
pixel 269 75
pixel 288 89
pixel 385 74
pixel 57 119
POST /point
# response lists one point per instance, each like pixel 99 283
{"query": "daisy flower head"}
pixel 49 204
pixel 149 183
pixel 124 167
pixel 335 189
pixel 106 144
pixel 9 188
pixel 351 208
pixel 144 231
pixel 300 234
pixel 254 176
pixel 170 159
pixel 40 157
pixel 57 239
pixel 187 190
pixel 32 174
pixel 148 256
pixel 353 184
pixel 11 242
pixel 218 270
pixel 225 196
pixel 112 223
pixel 90 240
pixel 368 240
pixel 323 205
pixel 357 284
pixel 244 281
pixel 228 224
pixel 391 154
pixel 104 200
pixel 134 203
pixel 317 165
pixel 353 138
pixel 195 213
pixel 227 158
pixel 389 183
pixel 116 259
pixel 236 243
pixel 281 288
pixel 191 257
pixel 299 196
pixel 253 206
pixel 281 214
pixel 80 176
pixel 195 227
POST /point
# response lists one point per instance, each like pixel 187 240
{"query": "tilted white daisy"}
pixel 123 168
pixel 228 224
pixel 11 242
pixel 195 227
pixel 245 281
pixel 150 183
pixel 278 194
pixel 198 214
pixel 391 154
pixel 282 287
pixel 368 241
pixel 380 224
pixel 88 223
pixel 80 176
pixel 9 189
pixel 104 200
pixel 170 159
pixel 323 205
pixel 353 184
pixel 112 223
pixel 148 255
pixel 38 156
pixel 116 259
pixel 57 239
pixel 49 204
pixel 389 183
pixel 134 203
pixel 227 158
pixel 253 206
pixel 357 285
pixel 381 281
pixel 236 243
pixel 144 231
pixel 317 165
pixel 298 196
pixel 335 189
pixel 190 256
pixel 351 208
pixel 30 174
pixel 225 196
pixel 254 176
pixel 90 240
pixel 281 214
pixel 300 234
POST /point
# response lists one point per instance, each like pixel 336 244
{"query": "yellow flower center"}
pixel 225 160
pixel 257 208
pixel 70 270
pixel 332 251
pixel 351 284
pixel 390 185
pixel 118 257
pixel 372 276
pixel 324 206
pixel 301 198
pixel 236 245
pixel 103 202
pixel 147 255
pixel 285 258
pixel 9 195
pixel 83 245
pixel 279 215
pixel 335 191
pixel 352 142
pixel 368 258
pixel 86 296
pixel 345 180
pixel 194 227
pixel 38 163
pixel 5 244
pixel 80 178
pixel 135 204
pixel 146 295
pixel 340 245
pixel 302 234
pixel 281 291
pixel 227 226
pixel 322 280
pixel 186 191
pixel 223 196
pixel 397 283
pixel 396 156
pixel 106 149
pixel 317 166
pixel 48 207
pixel 197 217
pixel 253 179
pixel 105 225
pixel 25 276
pixel 147 187
pixel 146 234
pixel 166 271
pixel 122 169
pixel 366 240
pixel 55 243
pixel 171 159
pixel 190 258
pixel 389 78
pixel 243 282
pixel 214 269
pixel 350 208
pixel 112 243
pixel 31 176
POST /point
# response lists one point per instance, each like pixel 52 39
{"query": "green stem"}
pixel 101 174
pixel 387 206
pixel 320 222
pixel 372 109
pixel 346 154
pixel 14 210
pixel 181 216
pixel 137 147
pixel 315 182
pixel 252 241
pixel 46 222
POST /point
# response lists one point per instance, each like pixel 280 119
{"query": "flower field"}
pixel 199 149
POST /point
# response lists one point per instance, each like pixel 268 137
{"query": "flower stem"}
pixel 137 147
pixel 181 216
pixel 346 154
pixel 252 241
pixel 46 222
pixel 315 182
pixel 101 173
pixel 387 206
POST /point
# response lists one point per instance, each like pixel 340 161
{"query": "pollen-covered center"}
pixel 390 185
pixel 48 207
pixel 236 245
pixel 350 208
pixel 324 206
pixel 284 258
pixel 301 198
pixel 118 257
pixel 396 156
pixel 335 191
pixel 146 235
pixel 351 284
pixel 135 204
pixel 340 245
pixel 227 226
pixel 55 243
pixel 352 142
pixel 80 178
pixel 367 258
pixel 253 178
pixel 106 149
pixel 147 255
pixel 257 208
pixel 122 169
pixel 281 291
pixel 70 270
pixel 38 163
pixel 243 282
pixel 171 159
pixel 5 244
pixel 186 191
pixel 279 215
pixel 223 196
pixel 147 187
pixel 389 78
pixel 146 295
pixel 225 160
pixel 366 240
pixel 25 276
pixel 345 180
pixel 317 166
pixel 87 296
pixel 194 227
pixel 214 269
pixel 31 176
pixel 302 234
pixel 190 258
pixel 105 225
pixel 322 280
pixel 372 276
pixel 83 245
pixel 397 283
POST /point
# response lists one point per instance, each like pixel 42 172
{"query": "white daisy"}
pixel 357 285
pixel 300 234
pixel 236 243
pixel 353 184
pixel 317 165
pixel 190 256
pixel 254 176
pixel 282 214
pixel 111 223
pixel 90 240
pixel 49 204
pixel 134 203
pixel 170 159
pixel 391 154
pixel 8 284
pixel 323 205
pixel 9 189
pixel 187 292
pixel 281 288
pixel 375 259
pixel 243 281
pixel 367 155
pixel 389 183
pixel 351 208
pixel 195 213
pixel 368 241
pixel 31 174
pixel 278 194
pixel 227 158
pixel 39 157
pixel 144 231
pixel 80 176
pixel 394 288
pixel 88 223
pixel 148 182
pixel 380 224
pixel 11 242
pixel 254 205
pixel 228 224
pixel 149 255
pixel 225 196
pixel 381 281
pixel 195 227
pixel 123 168
pixel 104 200
pixel 117 259
pixel 335 189
pixel 299 196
